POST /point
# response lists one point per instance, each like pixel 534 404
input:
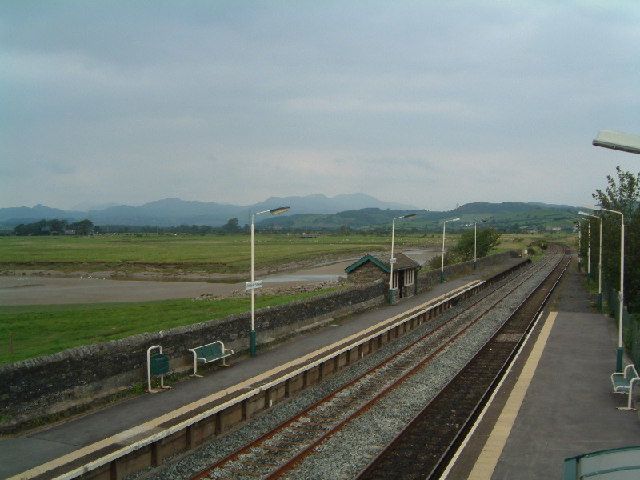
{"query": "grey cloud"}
pixel 236 101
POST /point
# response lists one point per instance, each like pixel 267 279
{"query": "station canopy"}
pixel 618 141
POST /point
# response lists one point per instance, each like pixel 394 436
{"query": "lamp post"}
pixel 253 284
pixel 444 232
pixel 631 144
pixel 392 260
pixel 589 249
pixel 475 240
pixel 621 293
pixel 475 244
pixel 599 255
pixel 579 227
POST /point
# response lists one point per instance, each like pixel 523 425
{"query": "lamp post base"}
pixel 393 296
pixel 619 353
pixel 599 302
pixel 441 276
pixel 252 343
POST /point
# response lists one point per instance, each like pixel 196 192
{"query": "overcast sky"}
pixel 427 103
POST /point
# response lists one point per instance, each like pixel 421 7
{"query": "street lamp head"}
pixel 408 215
pixel 279 210
pixel 618 141
pixel 454 219
pixel 602 209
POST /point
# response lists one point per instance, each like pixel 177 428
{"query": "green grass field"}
pixel 29 331
pixel 211 253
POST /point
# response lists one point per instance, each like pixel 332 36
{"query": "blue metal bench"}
pixel 623 383
pixel 208 353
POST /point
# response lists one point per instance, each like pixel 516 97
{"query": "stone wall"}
pixel 44 385
pixel 428 278
pixel 367 273
pixel 65 381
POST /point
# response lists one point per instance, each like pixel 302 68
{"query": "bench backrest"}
pixel 211 350
pixel 630 373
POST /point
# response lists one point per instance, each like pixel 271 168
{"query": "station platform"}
pixel 557 401
pixel 107 426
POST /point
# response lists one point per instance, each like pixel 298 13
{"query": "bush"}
pixel 436 262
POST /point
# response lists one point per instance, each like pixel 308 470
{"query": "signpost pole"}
pixel 252 334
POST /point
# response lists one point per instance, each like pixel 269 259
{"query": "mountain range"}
pixel 174 211
pixel 505 216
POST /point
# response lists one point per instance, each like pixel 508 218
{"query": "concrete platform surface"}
pixel 32 449
pixel 568 407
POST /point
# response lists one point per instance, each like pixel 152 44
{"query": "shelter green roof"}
pixel 367 258
pixel 402 263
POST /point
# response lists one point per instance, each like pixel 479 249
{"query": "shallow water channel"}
pixel 47 290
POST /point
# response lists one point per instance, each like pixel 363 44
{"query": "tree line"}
pixel 55 226
pixel 621 194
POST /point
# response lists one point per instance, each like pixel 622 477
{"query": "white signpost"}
pixel 252 285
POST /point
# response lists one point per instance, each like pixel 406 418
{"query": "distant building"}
pixel 370 268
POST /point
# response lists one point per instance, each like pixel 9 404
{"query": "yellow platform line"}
pixel 147 427
pixel 492 450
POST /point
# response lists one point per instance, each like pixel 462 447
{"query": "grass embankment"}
pixel 210 253
pixel 30 331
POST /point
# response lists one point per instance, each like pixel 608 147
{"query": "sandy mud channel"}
pixel 46 290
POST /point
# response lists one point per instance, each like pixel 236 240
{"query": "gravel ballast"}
pixel 344 454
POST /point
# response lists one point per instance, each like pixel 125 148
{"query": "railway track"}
pixel 425 447
pixel 279 451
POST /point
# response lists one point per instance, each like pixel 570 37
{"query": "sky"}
pixel 433 104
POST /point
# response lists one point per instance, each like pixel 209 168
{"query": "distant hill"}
pixel 174 211
pixel 16 215
pixel 496 208
pixel 321 204
pixel 508 216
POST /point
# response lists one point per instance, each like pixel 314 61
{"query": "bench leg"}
pixel 162 385
pixel 628 407
pixel 195 367
pixel 629 399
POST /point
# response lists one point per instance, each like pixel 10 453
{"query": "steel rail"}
pixel 374 468
pixel 293 462
pixel 287 424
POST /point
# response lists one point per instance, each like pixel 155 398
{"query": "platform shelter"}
pixel 370 268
